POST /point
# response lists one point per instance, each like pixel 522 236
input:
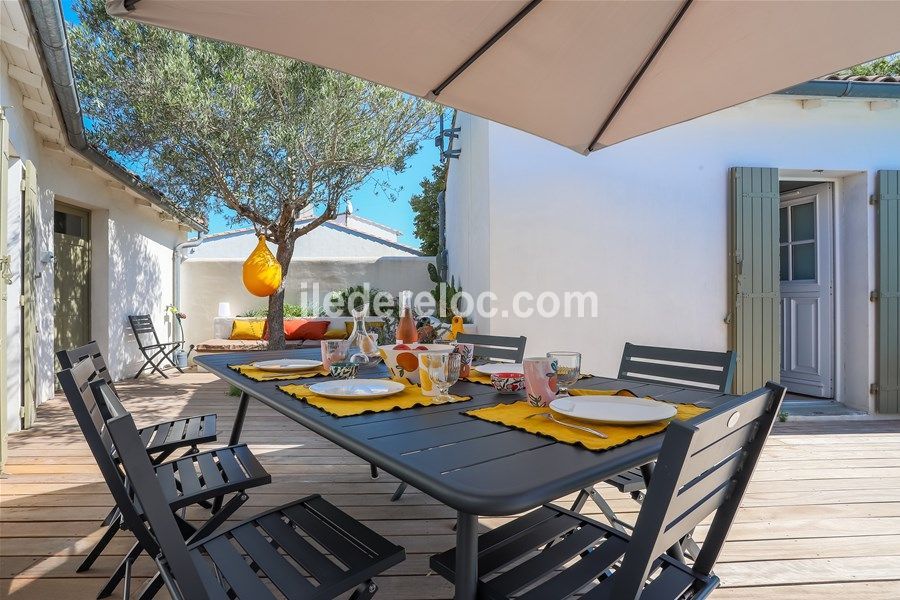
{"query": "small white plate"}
pixel 620 410
pixel 491 368
pixel 287 365
pixel 357 389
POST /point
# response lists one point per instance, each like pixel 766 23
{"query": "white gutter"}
pixel 177 258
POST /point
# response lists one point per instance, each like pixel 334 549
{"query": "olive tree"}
pixel 215 125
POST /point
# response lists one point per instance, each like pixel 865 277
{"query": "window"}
pixel 798 241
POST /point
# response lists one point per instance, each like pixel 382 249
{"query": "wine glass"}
pixel 443 370
pixel 568 369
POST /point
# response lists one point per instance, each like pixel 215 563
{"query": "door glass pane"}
pixel 69 224
pixel 783 225
pixel 803 222
pixel 804 261
pixel 785 257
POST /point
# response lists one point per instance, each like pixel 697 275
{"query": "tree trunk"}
pixel 275 320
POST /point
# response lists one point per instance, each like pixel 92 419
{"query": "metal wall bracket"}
pixel 873 296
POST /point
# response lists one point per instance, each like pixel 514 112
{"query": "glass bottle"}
pixel 359 337
pixel 406 329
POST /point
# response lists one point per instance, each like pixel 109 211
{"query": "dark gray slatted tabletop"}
pixel 471 465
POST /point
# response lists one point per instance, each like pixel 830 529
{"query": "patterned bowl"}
pixel 403 360
pixel 508 383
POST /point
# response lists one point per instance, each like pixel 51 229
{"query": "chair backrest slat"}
pixel 69 358
pixel 704 467
pixel 159 515
pixel 495 347
pixel 78 391
pixel 691 368
pixel 143 325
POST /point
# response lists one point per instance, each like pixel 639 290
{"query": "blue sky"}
pixel 397 214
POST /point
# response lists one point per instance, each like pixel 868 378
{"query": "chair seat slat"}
pixel 580 574
pixel 160 435
pixel 322 569
pixel 187 476
pixel 176 432
pixel 242 579
pixel 229 464
pixel 165 473
pixel 545 561
pixel 192 429
pixel 348 553
pixel 248 461
pixel 353 528
pixel 500 555
pixel 212 477
pixel 285 577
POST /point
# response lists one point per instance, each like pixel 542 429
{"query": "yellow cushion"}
pixel 335 334
pixel 247 330
pixel 369 326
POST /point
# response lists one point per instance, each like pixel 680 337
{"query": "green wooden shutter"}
pixel 29 301
pixel 887 389
pixel 756 316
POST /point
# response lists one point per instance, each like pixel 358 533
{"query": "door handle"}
pixel 5 270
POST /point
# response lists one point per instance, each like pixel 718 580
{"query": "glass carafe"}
pixel 366 342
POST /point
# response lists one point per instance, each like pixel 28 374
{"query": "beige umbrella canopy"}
pixel 584 74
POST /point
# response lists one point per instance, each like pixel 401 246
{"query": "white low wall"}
pixel 207 282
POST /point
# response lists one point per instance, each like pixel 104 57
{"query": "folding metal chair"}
pixel 696 369
pixel 155 352
pixel 192 479
pixel 279 548
pixel 705 466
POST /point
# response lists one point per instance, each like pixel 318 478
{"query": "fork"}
pixel 564 424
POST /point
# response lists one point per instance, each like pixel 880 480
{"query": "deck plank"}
pixel 824 503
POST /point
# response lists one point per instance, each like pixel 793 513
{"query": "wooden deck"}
pixel 821 519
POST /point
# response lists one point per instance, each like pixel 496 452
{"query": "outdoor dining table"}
pixel 475 467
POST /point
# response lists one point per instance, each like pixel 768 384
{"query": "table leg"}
pixel 239 420
pixel 235 437
pixel 466 581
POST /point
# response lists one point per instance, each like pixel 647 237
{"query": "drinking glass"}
pixel 568 369
pixel 443 370
pixel 334 351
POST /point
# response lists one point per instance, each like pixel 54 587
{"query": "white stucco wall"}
pixel 325 241
pixel 131 256
pixel 206 283
pixel 644 225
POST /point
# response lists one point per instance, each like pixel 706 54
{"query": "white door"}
pixel 807 290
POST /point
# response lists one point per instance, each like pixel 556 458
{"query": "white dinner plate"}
pixel 356 389
pixel 491 368
pixel 620 410
pixel 287 365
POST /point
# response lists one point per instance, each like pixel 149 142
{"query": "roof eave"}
pixel 49 29
pixel 830 88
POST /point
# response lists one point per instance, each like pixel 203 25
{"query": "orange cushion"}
pixel 304 329
pixel 248 330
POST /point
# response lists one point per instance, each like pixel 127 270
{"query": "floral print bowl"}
pixel 508 383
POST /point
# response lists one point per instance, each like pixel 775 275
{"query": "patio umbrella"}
pixel 584 74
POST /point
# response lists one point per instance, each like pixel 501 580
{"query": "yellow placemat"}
pixel 260 375
pixel 515 415
pixel 408 398
pixel 477 377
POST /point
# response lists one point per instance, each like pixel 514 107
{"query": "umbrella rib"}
pixel 635 79
pixel 485 47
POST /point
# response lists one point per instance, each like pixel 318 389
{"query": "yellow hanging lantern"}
pixel 262 273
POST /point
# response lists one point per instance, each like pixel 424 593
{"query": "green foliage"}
pixel 425 207
pixel 233 391
pixel 212 124
pixel 290 311
pixel 888 65
pixel 443 294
